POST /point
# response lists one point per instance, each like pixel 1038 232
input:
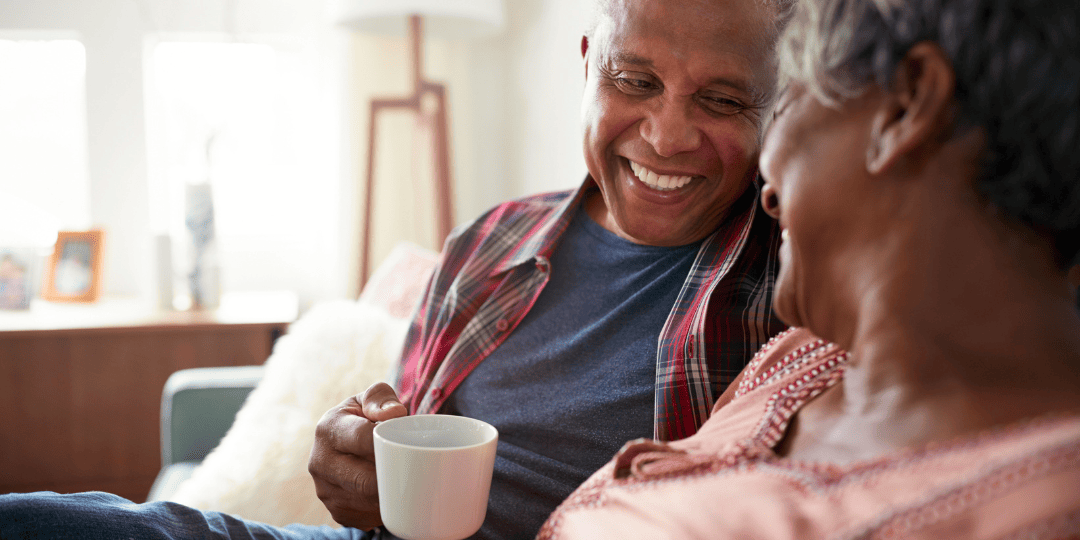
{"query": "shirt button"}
pixel 501 325
pixel 436 393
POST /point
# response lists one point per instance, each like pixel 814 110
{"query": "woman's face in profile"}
pixel 816 184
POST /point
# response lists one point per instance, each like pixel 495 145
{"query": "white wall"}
pixel 114 33
pixel 527 85
pixel 514 98
pixel 544 92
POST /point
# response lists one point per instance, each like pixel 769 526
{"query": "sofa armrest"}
pixel 198 407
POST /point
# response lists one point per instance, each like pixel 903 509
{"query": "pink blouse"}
pixel 1022 481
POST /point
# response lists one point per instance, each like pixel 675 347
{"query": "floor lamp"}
pixel 443 18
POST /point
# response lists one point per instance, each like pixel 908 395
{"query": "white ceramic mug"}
pixel 434 474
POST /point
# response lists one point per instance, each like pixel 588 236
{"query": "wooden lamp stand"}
pixel 415 102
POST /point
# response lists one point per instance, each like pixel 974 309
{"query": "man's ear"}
pixel 917 109
pixel 585 49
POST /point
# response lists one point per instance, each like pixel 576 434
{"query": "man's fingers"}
pixel 342 461
pixel 380 403
pixel 347 428
pixel 347 507
pixel 349 473
pixel 344 431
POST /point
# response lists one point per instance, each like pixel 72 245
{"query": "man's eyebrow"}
pixel 624 57
pixel 740 84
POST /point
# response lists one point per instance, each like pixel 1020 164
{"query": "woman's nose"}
pixel 770 200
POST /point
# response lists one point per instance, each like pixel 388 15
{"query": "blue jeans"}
pixel 104 516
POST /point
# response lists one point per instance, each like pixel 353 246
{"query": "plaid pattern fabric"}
pixel 722 317
pixel 493 269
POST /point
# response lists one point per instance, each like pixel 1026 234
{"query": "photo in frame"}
pixel 74 270
pixel 17 271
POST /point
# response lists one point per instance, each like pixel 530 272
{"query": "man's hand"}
pixel 343 458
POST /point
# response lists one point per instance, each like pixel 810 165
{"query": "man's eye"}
pixel 634 85
pixel 721 105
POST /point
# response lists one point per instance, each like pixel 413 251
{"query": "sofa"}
pixel 237 439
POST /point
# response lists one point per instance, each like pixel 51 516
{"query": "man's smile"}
pixel 659 182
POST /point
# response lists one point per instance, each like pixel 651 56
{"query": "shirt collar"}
pixel 540 244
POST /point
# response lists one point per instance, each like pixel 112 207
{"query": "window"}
pixel 249 119
pixel 44 183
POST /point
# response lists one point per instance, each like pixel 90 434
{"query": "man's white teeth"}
pixel 657 181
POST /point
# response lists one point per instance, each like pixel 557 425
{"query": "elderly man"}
pixel 571 321
pixel 575 321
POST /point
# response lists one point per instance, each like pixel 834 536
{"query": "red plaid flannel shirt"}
pixel 492 270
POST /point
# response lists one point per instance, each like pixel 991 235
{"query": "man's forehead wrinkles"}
pixel 626 57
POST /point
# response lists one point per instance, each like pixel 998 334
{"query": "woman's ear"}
pixel 917 110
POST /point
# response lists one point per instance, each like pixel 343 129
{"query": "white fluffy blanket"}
pixel 259 471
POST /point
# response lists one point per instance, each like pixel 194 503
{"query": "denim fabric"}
pixel 104 516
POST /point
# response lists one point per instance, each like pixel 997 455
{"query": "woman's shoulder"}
pixel 795 352
pixel 726 482
pixel 1019 482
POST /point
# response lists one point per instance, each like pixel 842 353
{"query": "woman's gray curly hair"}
pixel 1017 65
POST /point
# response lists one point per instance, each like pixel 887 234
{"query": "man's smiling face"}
pixel 674 97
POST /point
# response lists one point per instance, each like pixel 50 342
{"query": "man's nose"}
pixel 669 128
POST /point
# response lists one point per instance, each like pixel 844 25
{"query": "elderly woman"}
pixel 924 164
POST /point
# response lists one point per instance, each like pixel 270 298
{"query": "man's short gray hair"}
pixel 1017 65
pixel 599 8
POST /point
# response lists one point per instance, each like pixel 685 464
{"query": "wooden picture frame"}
pixel 74 270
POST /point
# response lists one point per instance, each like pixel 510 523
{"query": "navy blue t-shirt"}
pixel 575 380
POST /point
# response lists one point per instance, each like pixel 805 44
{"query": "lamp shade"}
pixel 448 19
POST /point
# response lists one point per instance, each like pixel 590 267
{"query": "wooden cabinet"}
pixel 80 386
